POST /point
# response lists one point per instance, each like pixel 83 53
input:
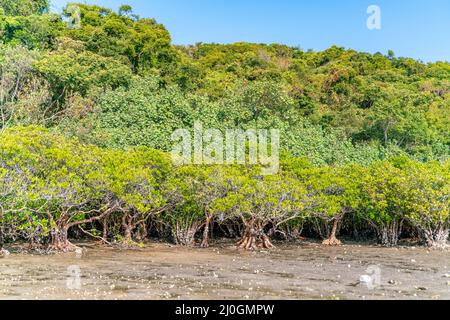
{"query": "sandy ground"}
pixel 300 271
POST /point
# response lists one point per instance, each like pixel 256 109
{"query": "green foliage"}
pixel 24 93
pixel 24 7
pixel 427 201
pixel 68 71
pixel 361 134
pixel 62 184
pixel 34 31
pixel 51 184
pixel 383 200
pixel 142 43
pixel 336 106
pixel 145 114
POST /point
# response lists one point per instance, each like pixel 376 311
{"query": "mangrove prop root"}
pixel 184 233
pixel 205 244
pixel 390 234
pixel 266 244
pixel 60 241
pixel 65 246
pixel 333 241
pixel 437 239
pixel 205 241
pixel 253 240
pixel 255 243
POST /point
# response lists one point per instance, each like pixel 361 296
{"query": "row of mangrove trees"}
pixel 53 188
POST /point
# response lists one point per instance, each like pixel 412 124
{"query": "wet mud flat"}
pixel 294 271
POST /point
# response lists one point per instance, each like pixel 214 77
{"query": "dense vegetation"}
pixel 86 116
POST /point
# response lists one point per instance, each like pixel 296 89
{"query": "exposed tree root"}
pixel 389 234
pixel 332 240
pixel 4 253
pixel 129 244
pixel 65 246
pixel 254 239
pixel 60 241
pixel 184 233
pixel 437 239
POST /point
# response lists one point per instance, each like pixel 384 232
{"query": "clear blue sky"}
pixel 412 28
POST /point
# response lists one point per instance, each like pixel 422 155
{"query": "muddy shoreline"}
pixel 304 270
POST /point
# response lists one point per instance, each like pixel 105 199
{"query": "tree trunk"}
pixel 127 225
pixel 390 234
pixel 254 237
pixel 105 232
pixel 60 241
pixel 128 234
pixel 436 238
pixel 142 232
pixel 333 241
pixel 205 241
pixel 184 232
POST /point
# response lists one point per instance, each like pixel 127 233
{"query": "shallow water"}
pixel 305 271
